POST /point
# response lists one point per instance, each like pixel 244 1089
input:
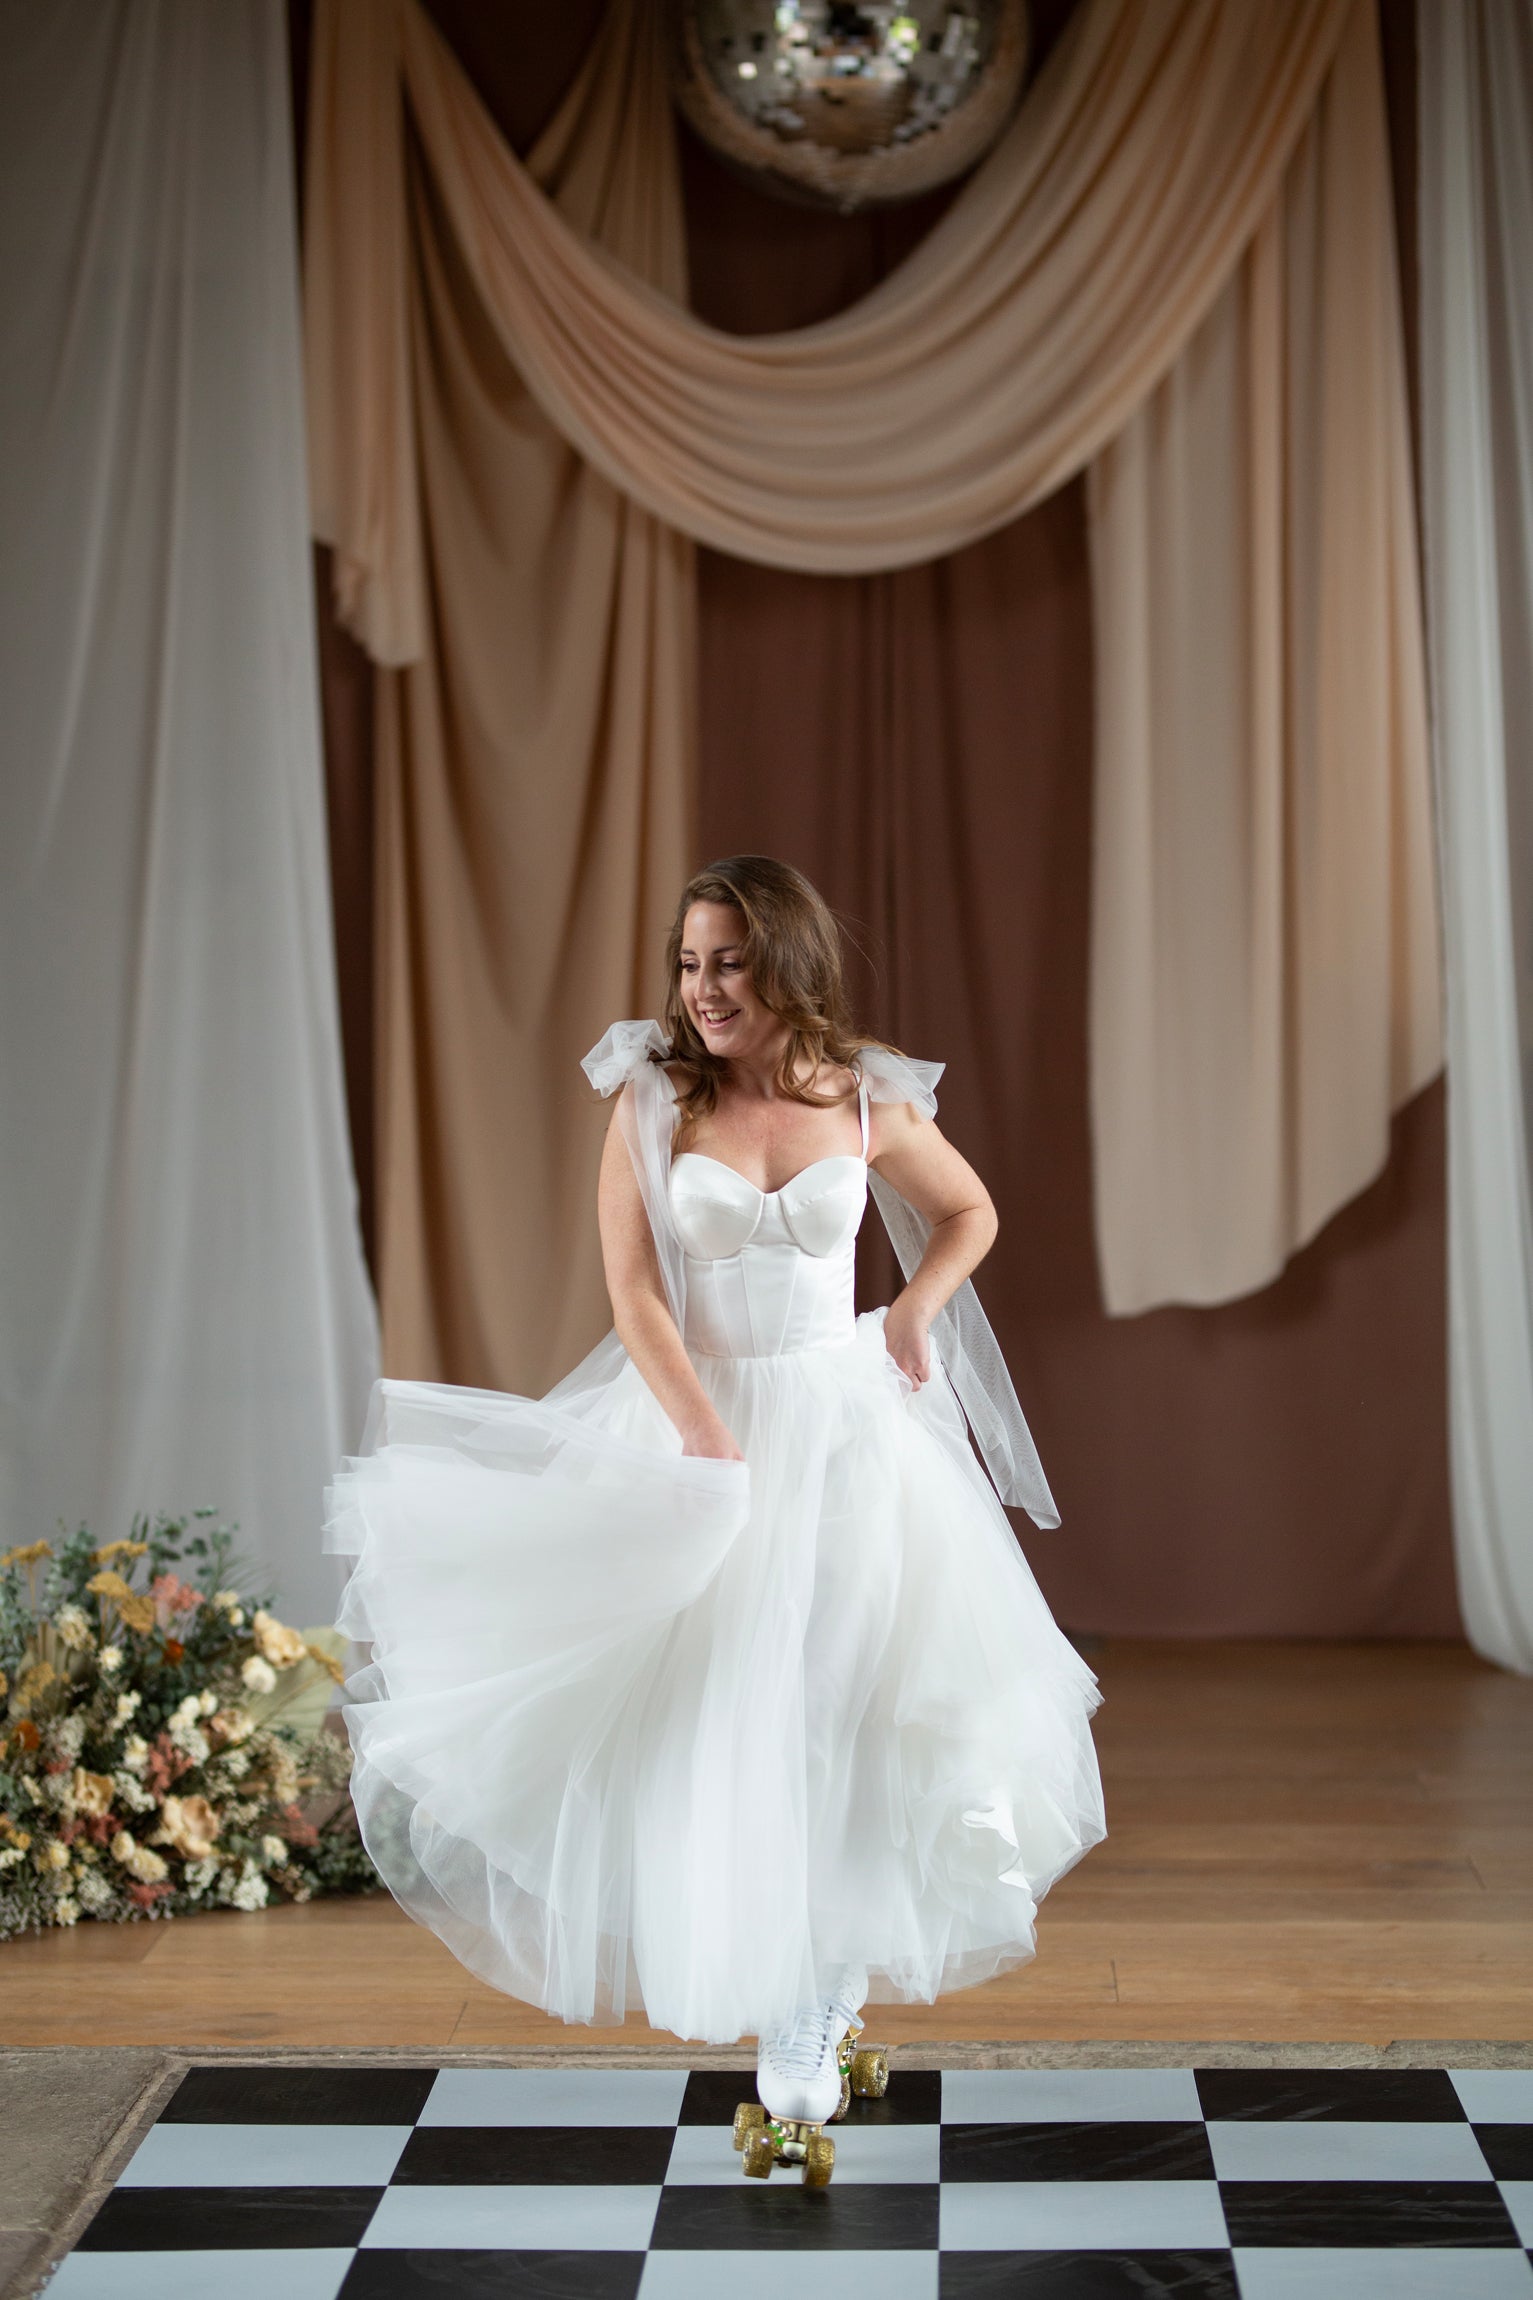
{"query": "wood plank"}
pixel 1323 1843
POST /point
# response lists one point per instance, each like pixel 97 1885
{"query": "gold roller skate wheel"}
pixel 844 2103
pixel 759 2153
pixel 749 2117
pixel 870 2072
pixel 819 2160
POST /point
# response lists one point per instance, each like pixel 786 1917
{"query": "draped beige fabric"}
pixel 534 755
pixel 1265 951
pixel 1015 342
pixel 535 750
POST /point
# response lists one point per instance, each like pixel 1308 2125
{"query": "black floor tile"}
pixel 1329 2095
pixel 594 2155
pixel 229 2219
pixel 784 2216
pixel 1087 2276
pixel 493 2276
pixel 1507 2149
pixel 915 2097
pixel 1373 2212
pixel 1083 2151
pixel 299 2096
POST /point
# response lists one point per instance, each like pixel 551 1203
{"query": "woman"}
pixel 715 1679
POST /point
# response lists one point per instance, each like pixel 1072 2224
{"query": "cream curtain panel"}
pixel 1078 269
pixel 1265 976
pixel 185 1317
pixel 1476 224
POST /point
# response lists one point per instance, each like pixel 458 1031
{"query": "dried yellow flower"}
pixel 33 1683
pixel 92 1792
pixel 278 1644
pixel 137 1611
pixel 120 1549
pixel 33 1554
pixel 327 1661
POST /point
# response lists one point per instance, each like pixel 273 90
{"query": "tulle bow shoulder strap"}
pixel 647 1117
pixel 966 1345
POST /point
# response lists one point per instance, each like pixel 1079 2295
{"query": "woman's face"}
pixel 715 988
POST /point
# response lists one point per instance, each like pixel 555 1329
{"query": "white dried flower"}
pixel 252 1891
pixel 132 1793
pixel 110 1658
pixel 71 1625
pixel 127 1704
pixel 192 1742
pixel 69 1736
pixel 11 1855
pixel 94 1891
pixel 65 1910
pixel 236 1763
pixel 53 1855
pixel 274 1852
pixel 184 1712
pixel 258 1675
pixel 206 1703
pixel 137 1859
pixel 198 1875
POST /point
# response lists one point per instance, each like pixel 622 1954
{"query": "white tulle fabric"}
pixel 640 1729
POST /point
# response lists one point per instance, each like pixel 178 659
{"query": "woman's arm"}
pixel 911 1153
pixel 641 1313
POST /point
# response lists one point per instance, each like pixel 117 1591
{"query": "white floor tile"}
pixel 703 2156
pixel 1495 2095
pixel 296 2275
pixel 1070 2096
pixel 1517 2196
pixel 555 2219
pixel 523 2096
pixel 1263 2150
pixel 1099 2215
pixel 266 2156
pixel 789 2275
pixel 1403 2274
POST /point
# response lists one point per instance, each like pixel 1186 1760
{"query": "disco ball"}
pixel 850 103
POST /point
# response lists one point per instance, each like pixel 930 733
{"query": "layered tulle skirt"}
pixel 645 1730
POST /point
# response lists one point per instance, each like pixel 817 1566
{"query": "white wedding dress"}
pixel 644 1729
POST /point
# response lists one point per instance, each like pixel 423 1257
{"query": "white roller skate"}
pixel 806 2074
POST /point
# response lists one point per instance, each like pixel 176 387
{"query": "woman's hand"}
pixel 907 1338
pixel 708 1439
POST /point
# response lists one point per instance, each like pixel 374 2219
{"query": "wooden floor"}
pixel 1328 1843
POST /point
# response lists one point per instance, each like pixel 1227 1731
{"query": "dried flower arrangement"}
pixel 162 1736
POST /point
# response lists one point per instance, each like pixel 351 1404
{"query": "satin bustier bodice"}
pixel 769 1271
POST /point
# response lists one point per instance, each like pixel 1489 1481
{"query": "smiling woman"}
pixel 766 1710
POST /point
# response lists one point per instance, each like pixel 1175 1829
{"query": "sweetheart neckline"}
pixel 838 1158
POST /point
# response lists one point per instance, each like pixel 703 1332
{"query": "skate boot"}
pixel 805 2076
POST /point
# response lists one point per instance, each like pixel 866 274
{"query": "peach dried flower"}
pixel 281 1646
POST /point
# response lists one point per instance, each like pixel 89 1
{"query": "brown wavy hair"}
pixel 792 949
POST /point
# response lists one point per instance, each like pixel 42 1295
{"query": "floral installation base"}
pixel 163 1745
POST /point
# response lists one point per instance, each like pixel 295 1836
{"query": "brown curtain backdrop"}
pixel 921 743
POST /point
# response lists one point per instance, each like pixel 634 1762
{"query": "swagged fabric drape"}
pixel 1071 275
pixel 534 751
pixel 1476 230
pixel 185 1317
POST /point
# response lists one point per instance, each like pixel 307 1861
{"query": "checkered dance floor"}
pixel 1226 2184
